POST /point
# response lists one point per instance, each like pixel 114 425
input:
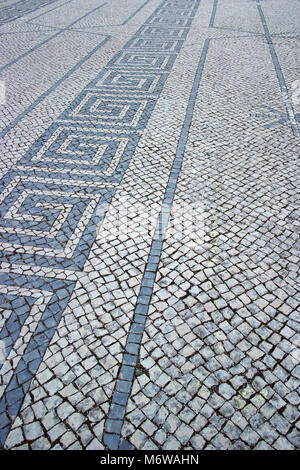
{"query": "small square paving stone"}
pixel 76 420
pixel 197 442
pixel 227 410
pixel 95 444
pixel 198 423
pixel 226 391
pixel 67 439
pixel 280 423
pixel 186 415
pixel 117 411
pixel 110 440
pixel 138 439
pixel 174 405
pixel 231 431
pixel 161 415
pixel 171 424
pixel 282 444
pixel 211 312
pixel 160 436
pixel 33 431
pixel 149 445
pixel 57 431
pixel 293 398
pixel 149 427
pixel 42 444
pixel 249 436
pixel 171 444
pixel 220 442
pixel 53 386
pixel 239 420
pixel 261 445
pixel 113 426
pixel 14 438
pixel 65 410
pixel 290 413
pixel 184 433
pixel 85 434
pixel 267 432
pixel 126 372
pixel 294 438
pixel 208 432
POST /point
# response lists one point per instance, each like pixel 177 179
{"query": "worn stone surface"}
pixel 149 225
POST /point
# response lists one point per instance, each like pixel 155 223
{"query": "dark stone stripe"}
pixel 213 14
pixel 19 384
pixel 37 46
pixel 49 11
pixel 136 12
pixel 281 80
pixel 113 425
pixel 52 88
pixel 24 7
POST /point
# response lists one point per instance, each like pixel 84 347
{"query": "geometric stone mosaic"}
pixel 9 13
pixel 52 198
pixel 33 308
pixel 185 337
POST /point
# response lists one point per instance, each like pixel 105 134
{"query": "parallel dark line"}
pixel 136 12
pixel 279 73
pixel 52 88
pixel 127 370
pixel 20 57
pixel 49 11
pixel 213 14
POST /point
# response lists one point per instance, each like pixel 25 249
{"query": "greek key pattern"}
pixel 51 199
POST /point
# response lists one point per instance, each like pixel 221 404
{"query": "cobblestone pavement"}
pixel 149 224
